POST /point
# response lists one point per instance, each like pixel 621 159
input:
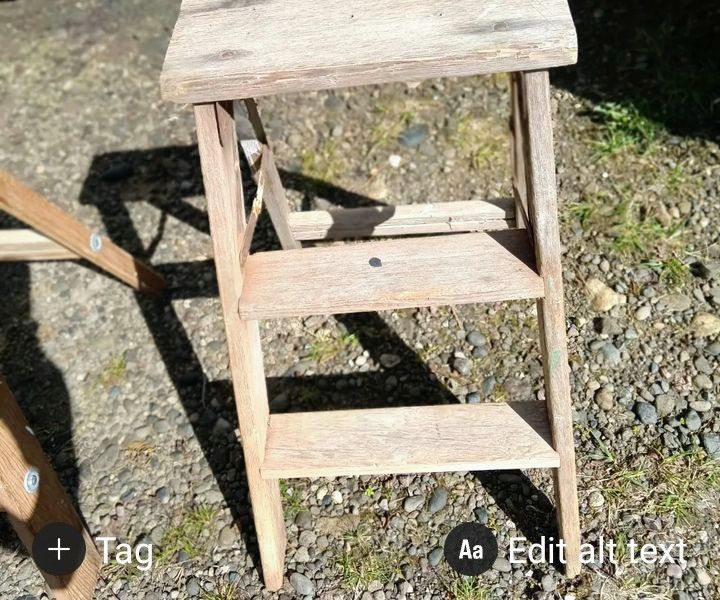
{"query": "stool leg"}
pixel 218 146
pixel 542 205
pixel 517 158
pixel 30 511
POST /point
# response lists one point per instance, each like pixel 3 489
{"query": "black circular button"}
pixel 471 549
pixel 58 549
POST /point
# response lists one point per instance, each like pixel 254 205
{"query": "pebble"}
pixel 337 497
pixel 702 381
pixel 226 537
pixel 675 302
pixel 705 324
pixel 394 160
pixel 414 135
pixel 437 501
pixel 304 519
pixel 711 443
pixel 646 413
pixel 413 503
pixel 693 421
pixel 192 587
pixel 643 312
pixel 435 557
pixel 476 339
pixel 462 365
pixel 472 398
pixel 612 354
pixel 302 585
pixel 713 349
pixel 674 571
pixel 596 499
pixel 163 495
pixel 602 298
pixel 502 564
pixel 701 405
pixel 548 583
pixel 604 398
pixel 390 360
pixel 702 576
pixel 665 404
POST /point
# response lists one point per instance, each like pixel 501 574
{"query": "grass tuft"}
pixel 326 347
pixel 467 588
pixel 223 591
pixel 365 559
pixel 187 535
pixel 113 371
pixel 291 500
pixel 623 127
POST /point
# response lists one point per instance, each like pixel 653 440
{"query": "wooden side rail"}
pixel 30 511
pixel 54 223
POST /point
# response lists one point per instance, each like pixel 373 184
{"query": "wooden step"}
pixel 389 274
pixel 406 219
pixel 418 439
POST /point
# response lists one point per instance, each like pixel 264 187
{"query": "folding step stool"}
pixel 222 51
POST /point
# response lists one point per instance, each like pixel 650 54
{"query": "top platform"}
pixel 235 49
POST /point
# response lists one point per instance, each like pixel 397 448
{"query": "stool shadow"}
pixel 164 177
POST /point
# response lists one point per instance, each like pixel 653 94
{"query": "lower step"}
pixel 418 439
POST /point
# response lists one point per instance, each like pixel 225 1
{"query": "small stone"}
pixel 221 426
pixel 476 339
pixel 665 404
pixel 413 503
pixel 462 365
pixel 414 135
pixel 675 302
pixel 702 576
pixel 389 360
pixel 602 298
pixel 488 385
pixel 394 160
pixel 435 557
pixel 705 324
pixel 713 349
pixel 643 312
pixel 502 564
pixel 226 538
pixel 674 571
pixel 301 555
pixel 711 443
pixel 607 326
pixel 304 519
pixel 702 381
pixel 612 354
pixel 302 585
pixel 481 514
pixel 192 587
pixel 596 499
pixel 604 398
pixel 438 500
pixel 701 405
pixel 646 413
pixel 337 497
pixel 472 398
pixel 548 583
pixel 692 420
pixel 163 495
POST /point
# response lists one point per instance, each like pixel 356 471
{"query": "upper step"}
pixel 389 274
pixel 233 49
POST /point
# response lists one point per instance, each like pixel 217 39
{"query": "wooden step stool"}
pixel 221 51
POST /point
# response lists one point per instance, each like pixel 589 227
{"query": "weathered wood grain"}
pixel 542 206
pixel 30 512
pixel 51 221
pixel 418 439
pixel 388 274
pixel 26 245
pixel 408 219
pixel 219 160
pixel 230 49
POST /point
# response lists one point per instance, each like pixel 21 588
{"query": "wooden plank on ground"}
pixel 418 439
pixel 388 274
pixel 217 53
pixel 406 219
pixel 26 244
pixel 51 221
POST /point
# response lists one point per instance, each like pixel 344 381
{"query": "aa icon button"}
pixel 471 549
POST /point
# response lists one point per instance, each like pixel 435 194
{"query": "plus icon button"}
pixel 58 549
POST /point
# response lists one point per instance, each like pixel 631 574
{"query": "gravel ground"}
pixel 131 397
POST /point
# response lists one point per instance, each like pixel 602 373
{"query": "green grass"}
pixel 388 126
pixel 292 500
pixel 478 141
pixel 113 371
pixel 223 591
pixel 187 535
pixel 467 588
pixel 323 164
pixel 671 271
pixel 366 559
pixel 326 347
pixel 623 127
